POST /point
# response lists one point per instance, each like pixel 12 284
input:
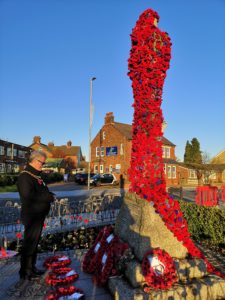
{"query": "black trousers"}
pixel 32 233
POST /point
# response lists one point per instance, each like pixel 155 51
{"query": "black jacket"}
pixel 34 194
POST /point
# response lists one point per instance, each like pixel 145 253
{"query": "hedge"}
pixel 205 222
pixel 8 180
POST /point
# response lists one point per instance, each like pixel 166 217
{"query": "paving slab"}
pixel 11 288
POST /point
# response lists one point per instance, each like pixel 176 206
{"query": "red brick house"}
pixel 111 152
pixel 69 153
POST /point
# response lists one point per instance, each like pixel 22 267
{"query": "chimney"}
pixel 37 139
pixel 51 144
pixel 69 144
pixel 109 118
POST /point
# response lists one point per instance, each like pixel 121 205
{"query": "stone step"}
pixel 186 270
pixel 210 287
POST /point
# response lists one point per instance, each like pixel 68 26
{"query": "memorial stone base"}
pixel 143 229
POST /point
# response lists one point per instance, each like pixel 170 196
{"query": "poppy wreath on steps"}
pixel 106 264
pixel 95 253
pixel 57 261
pixel 104 267
pixel 158 269
pixel 61 292
pixel 61 276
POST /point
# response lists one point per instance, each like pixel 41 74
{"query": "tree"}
pixel 187 154
pixel 192 152
pixel 196 152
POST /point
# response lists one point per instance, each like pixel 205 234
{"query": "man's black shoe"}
pixel 38 272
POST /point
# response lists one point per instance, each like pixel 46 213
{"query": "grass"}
pixel 8 188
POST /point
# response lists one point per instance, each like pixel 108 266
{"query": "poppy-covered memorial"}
pixel 150 224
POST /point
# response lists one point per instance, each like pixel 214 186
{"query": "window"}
pixel 192 174
pixel 174 172
pixel 97 151
pixel 9 151
pixel 101 168
pixel 8 168
pixel 110 168
pixel 14 152
pixel 102 151
pixel 118 166
pixel 169 171
pixel 2 168
pixel 103 135
pixel 121 149
pixel 2 150
pixel 21 154
pixel 96 168
pixel 166 152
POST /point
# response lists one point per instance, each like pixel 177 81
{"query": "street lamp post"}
pixel 90 127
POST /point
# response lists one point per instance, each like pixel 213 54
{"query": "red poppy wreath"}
pixel 61 292
pixel 61 276
pixel 57 261
pixel 159 269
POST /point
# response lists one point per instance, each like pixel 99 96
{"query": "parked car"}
pixel 82 178
pixel 103 179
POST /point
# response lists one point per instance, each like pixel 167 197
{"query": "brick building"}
pixel 111 152
pixel 72 155
pixel 13 157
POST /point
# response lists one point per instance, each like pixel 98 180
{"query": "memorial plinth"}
pixel 143 229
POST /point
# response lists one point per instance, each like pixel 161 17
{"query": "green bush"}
pixel 52 177
pixel 8 180
pixel 205 222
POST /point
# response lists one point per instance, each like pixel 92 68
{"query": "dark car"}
pixel 82 178
pixel 103 179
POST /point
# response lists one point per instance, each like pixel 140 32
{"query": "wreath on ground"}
pixel 94 255
pixel 57 261
pixel 61 292
pixel 61 276
pixel 158 269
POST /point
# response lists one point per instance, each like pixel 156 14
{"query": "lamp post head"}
pixel 93 78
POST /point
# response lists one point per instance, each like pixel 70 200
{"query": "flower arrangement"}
pixel 61 276
pixel 159 269
pixel 104 256
pixel 71 291
pixel 57 261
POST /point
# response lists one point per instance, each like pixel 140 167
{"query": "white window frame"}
pixel 2 168
pixel 14 152
pixel 169 172
pixel 167 152
pixel 174 172
pixel 21 153
pixel 97 151
pixel 95 168
pixel 9 151
pixel 102 150
pixel 2 150
pixel 101 171
pixel 192 174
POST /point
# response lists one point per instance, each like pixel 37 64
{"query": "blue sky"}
pixel 49 50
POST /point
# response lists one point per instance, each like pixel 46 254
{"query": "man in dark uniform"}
pixel 35 199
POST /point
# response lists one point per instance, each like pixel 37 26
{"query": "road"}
pixel 69 189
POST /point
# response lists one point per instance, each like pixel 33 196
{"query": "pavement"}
pixel 37 290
